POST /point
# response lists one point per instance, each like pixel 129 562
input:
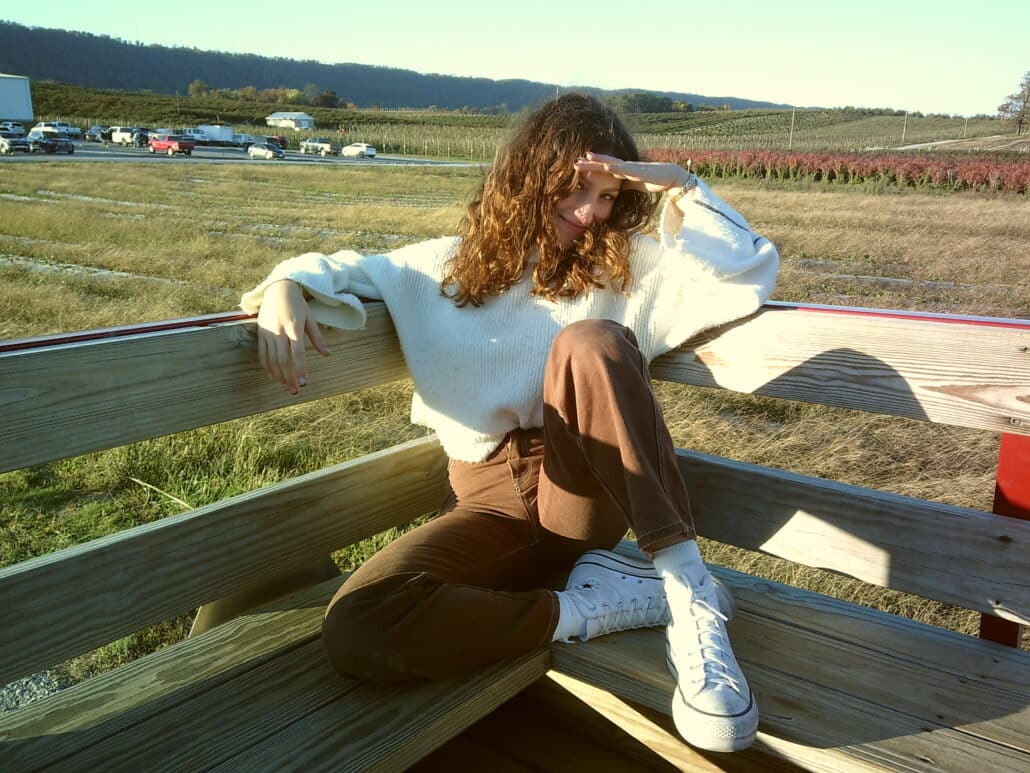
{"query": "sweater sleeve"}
pixel 333 283
pixel 711 269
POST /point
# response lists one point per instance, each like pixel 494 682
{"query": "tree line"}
pixel 103 62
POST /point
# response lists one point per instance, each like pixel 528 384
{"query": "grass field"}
pixel 456 134
pixel 87 245
pixel 477 137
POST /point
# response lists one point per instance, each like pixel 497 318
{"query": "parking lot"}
pixel 92 151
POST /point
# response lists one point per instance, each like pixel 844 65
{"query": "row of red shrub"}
pixel 950 172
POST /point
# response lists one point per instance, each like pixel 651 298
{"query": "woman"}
pixel 528 338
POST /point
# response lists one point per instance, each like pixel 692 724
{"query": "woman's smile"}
pixel 590 202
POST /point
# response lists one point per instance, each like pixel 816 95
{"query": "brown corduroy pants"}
pixel 469 587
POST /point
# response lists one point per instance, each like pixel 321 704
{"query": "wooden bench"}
pixel 840 686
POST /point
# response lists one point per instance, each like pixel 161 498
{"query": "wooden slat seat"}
pixel 842 686
pixel 254 694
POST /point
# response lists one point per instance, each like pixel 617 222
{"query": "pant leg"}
pixel 609 462
pixel 457 593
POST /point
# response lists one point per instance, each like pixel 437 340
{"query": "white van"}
pixel 122 135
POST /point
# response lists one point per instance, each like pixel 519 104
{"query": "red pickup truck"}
pixel 170 144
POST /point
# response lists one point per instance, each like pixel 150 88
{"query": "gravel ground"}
pixel 24 691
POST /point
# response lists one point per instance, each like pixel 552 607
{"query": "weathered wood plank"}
pixel 70 399
pixel 97 592
pixel 206 700
pixel 85 716
pixel 66 400
pixel 211 725
pixel 654 731
pixel 822 696
pixel 968 374
pixel 964 557
pixel 388 728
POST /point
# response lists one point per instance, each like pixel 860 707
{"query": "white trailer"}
pixel 15 98
pixel 217 134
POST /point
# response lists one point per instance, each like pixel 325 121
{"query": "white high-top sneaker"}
pixel 713 707
pixel 616 593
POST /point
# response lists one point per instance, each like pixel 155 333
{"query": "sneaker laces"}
pixel 623 614
pixel 718 666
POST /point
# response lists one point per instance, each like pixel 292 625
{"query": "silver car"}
pixel 11 142
pixel 359 150
pixel 265 150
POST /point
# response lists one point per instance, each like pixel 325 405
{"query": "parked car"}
pixel 171 144
pixel 243 140
pixel 266 150
pixel 11 142
pixel 321 145
pixel 281 139
pixel 12 127
pixel 96 134
pixel 359 150
pixel 141 137
pixel 61 128
pixel 49 142
pixel 199 136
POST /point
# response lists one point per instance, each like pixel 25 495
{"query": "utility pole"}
pixel 790 140
pixel 904 128
pixel 965 128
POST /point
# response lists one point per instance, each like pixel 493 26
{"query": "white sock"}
pixel 571 622
pixel 684 559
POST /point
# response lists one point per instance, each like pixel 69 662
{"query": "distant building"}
pixel 295 121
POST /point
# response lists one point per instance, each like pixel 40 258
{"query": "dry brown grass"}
pixel 833 238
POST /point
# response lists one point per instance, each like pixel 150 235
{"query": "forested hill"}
pixel 98 61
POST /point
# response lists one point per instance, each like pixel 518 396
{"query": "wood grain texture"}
pixel 390 727
pixel 825 697
pixel 220 698
pixel 86 715
pixel 66 603
pixel 652 730
pixel 965 374
pixel 60 401
pixel 959 556
pixel 66 400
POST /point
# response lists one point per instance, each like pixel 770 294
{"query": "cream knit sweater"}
pixel 479 371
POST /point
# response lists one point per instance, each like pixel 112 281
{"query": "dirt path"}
pixel 1006 142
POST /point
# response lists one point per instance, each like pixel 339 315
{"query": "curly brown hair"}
pixel 511 215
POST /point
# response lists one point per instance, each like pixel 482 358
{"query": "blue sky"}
pixel 915 55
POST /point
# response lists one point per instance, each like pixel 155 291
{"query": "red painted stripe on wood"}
pixel 954 319
pixel 58 339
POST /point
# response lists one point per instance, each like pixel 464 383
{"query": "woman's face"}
pixel 592 201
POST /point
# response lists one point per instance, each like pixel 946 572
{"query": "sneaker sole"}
pixel 638 567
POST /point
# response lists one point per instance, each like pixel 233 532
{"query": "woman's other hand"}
pixel 283 320
pixel 647 176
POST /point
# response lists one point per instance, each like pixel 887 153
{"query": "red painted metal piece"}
pixel 1011 498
